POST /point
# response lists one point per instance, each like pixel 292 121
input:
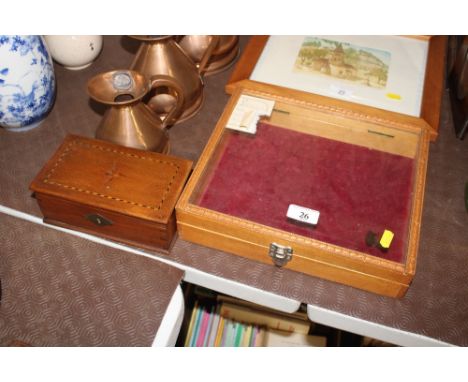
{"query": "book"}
pixel 214 329
pixel 220 331
pixel 278 338
pixel 240 329
pixel 260 337
pixel 247 336
pixel 196 328
pixel 205 316
pixel 191 325
pixel 232 325
pixel 301 315
pixel 224 337
pixel 264 318
pixel 253 335
pixel 210 325
pixel 230 333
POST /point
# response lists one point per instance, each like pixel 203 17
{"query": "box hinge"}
pixel 280 254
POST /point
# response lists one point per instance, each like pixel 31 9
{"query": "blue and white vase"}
pixel 27 82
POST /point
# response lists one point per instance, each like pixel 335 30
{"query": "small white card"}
pixel 341 91
pixel 247 112
pixel 303 214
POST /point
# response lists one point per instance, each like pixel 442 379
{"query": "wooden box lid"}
pixel 137 183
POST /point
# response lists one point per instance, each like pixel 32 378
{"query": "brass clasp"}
pixel 280 254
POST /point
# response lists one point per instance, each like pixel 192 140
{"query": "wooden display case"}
pixel 362 168
pixel 432 74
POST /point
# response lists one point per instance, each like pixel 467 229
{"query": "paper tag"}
pixel 340 91
pixel 303 214
pixel 247 112
pixel 386 239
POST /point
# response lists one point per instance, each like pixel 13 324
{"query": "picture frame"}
pixel 423 96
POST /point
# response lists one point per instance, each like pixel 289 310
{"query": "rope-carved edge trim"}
pixel 115 151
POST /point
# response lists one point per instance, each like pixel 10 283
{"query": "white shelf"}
pixel 172 321
pixel 369 329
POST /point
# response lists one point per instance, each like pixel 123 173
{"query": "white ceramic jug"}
pixel 74 52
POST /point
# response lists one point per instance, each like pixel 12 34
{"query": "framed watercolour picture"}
pixel 394 73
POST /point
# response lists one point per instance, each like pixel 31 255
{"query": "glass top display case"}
pixel 312 184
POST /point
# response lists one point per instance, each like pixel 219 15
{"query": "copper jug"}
pixel 162 55
pixel 223 56
pixel 129 121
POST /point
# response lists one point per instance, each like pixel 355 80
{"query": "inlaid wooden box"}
pixel 112 191
pixel 362 169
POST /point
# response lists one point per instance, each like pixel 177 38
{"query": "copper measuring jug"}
pixel 223 56
pixel 161 55
pixel 129 121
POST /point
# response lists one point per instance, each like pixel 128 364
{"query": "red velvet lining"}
pixel 356 189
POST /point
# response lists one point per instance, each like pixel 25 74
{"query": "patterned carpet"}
pixel 60 290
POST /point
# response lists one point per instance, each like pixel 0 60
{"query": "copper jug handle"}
pixel 223 49
pixel 163 80
pixel 208 53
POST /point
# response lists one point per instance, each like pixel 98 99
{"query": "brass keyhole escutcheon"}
pixel 99 220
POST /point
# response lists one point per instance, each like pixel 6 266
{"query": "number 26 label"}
pixel 303 214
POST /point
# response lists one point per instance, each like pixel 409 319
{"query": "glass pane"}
pixel 358 176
